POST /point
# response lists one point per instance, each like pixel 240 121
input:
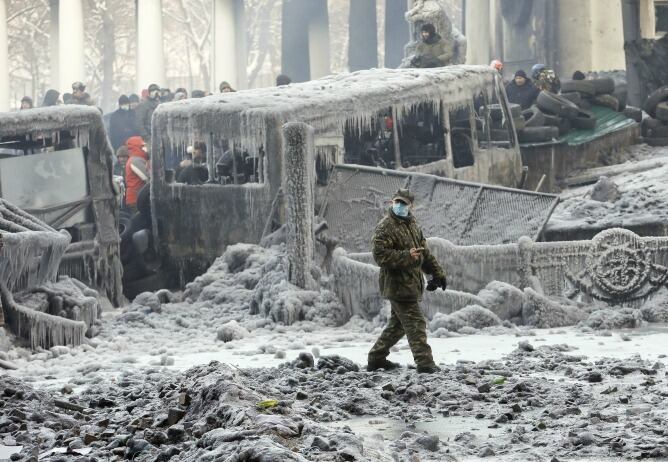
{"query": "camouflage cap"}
pixel 404 195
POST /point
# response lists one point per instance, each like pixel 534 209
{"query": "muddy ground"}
pixel 145 388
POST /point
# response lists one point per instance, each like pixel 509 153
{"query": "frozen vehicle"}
pixel 435 121
pixel 55 163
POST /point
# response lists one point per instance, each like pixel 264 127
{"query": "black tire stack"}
pixel 556 115
pixel 499 124
pixel 655 127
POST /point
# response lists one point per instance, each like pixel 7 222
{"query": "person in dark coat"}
pixel 400 249
pixel 145 111
pixel 521 90
pixel 51 98
pixel 79 95
pixel 433 50
pixel 122 124
pixel 26 103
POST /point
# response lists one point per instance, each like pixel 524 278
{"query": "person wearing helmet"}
pixel 79 95
pixel 545 78
pixel 497 65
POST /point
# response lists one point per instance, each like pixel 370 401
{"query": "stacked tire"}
pixel 499 124
pixel 655 127
pixel 552 116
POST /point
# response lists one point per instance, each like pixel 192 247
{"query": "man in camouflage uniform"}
pixel 433 50
pixel 545 79
pixel 400 250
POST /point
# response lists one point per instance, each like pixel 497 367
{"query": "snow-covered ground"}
pixel 643 195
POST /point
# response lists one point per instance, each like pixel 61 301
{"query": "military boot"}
pixel 428 369
pixel 375 364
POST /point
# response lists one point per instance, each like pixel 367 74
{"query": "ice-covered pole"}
pixel 299 149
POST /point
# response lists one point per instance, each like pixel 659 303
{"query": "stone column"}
pixel 150 52
pixel 318 39
pixel 397 32
pixel 363 33
pixel 478 28
pixel 607 29
pixel 229 47
pixel 70 44
pixel 295 52
pixel 4 61
pixel 299 148
pixel 54 48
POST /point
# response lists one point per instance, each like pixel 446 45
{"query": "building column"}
pixel 229 44
pixel 295 52
pixel 575 37
pixel 150 52
pixel 4 61
pixel 70 44
pixel 478 28
pixel 607 31
pixel 363 33
pixel 54 48
pixel 318 40
pixel 397 32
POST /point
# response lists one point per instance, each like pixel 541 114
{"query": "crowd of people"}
pixel 524 90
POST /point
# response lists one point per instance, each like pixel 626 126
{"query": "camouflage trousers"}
pixel 406 318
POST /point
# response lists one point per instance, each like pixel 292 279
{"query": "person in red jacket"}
pixel 136 170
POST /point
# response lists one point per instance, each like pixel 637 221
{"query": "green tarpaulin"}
pixel 608 121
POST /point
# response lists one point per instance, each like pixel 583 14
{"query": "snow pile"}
pixel 613 319
pixel 544 312
pixel 255 279
pixel 472 316
pixel 502 299
pixel 231 331
pixel 656 308
pixel 637 196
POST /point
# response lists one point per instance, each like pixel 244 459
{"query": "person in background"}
pixel 192 170
pixel 179 95
pixel 67 98
pixel 497 65
pixel 122 123
pixel 579 75
pixel 400 249
pixel 225 87
pixel 79 95
pixel 282 80
pixel 145 111
pixel 197 94
pixel 122 156
pixel 181 90
pixel 521 90
pixel 134 101
pixel 26 103
pixel 136 170
pixel 545 78
pixel 166 95
pixel 51 98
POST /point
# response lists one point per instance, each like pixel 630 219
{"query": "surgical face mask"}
pixel 144 148
pixel 400 209
pixel 155 94
pixel 125 107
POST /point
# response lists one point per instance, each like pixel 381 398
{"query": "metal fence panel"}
pixel 461 212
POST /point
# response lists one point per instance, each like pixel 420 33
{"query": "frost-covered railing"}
pixel 616 267
pixel 355 279
pixel 462 212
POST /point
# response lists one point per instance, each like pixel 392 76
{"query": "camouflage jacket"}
pixel 400 276
pixel 437 52
pixel 547 80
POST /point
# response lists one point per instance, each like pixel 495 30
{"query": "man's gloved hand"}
pixel 437 282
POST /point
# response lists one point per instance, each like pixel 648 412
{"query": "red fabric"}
pixel 133 183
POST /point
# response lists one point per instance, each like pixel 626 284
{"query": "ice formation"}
pixel 99 264
pixel 326 104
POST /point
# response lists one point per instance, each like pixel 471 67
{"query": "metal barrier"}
pixel 461 212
